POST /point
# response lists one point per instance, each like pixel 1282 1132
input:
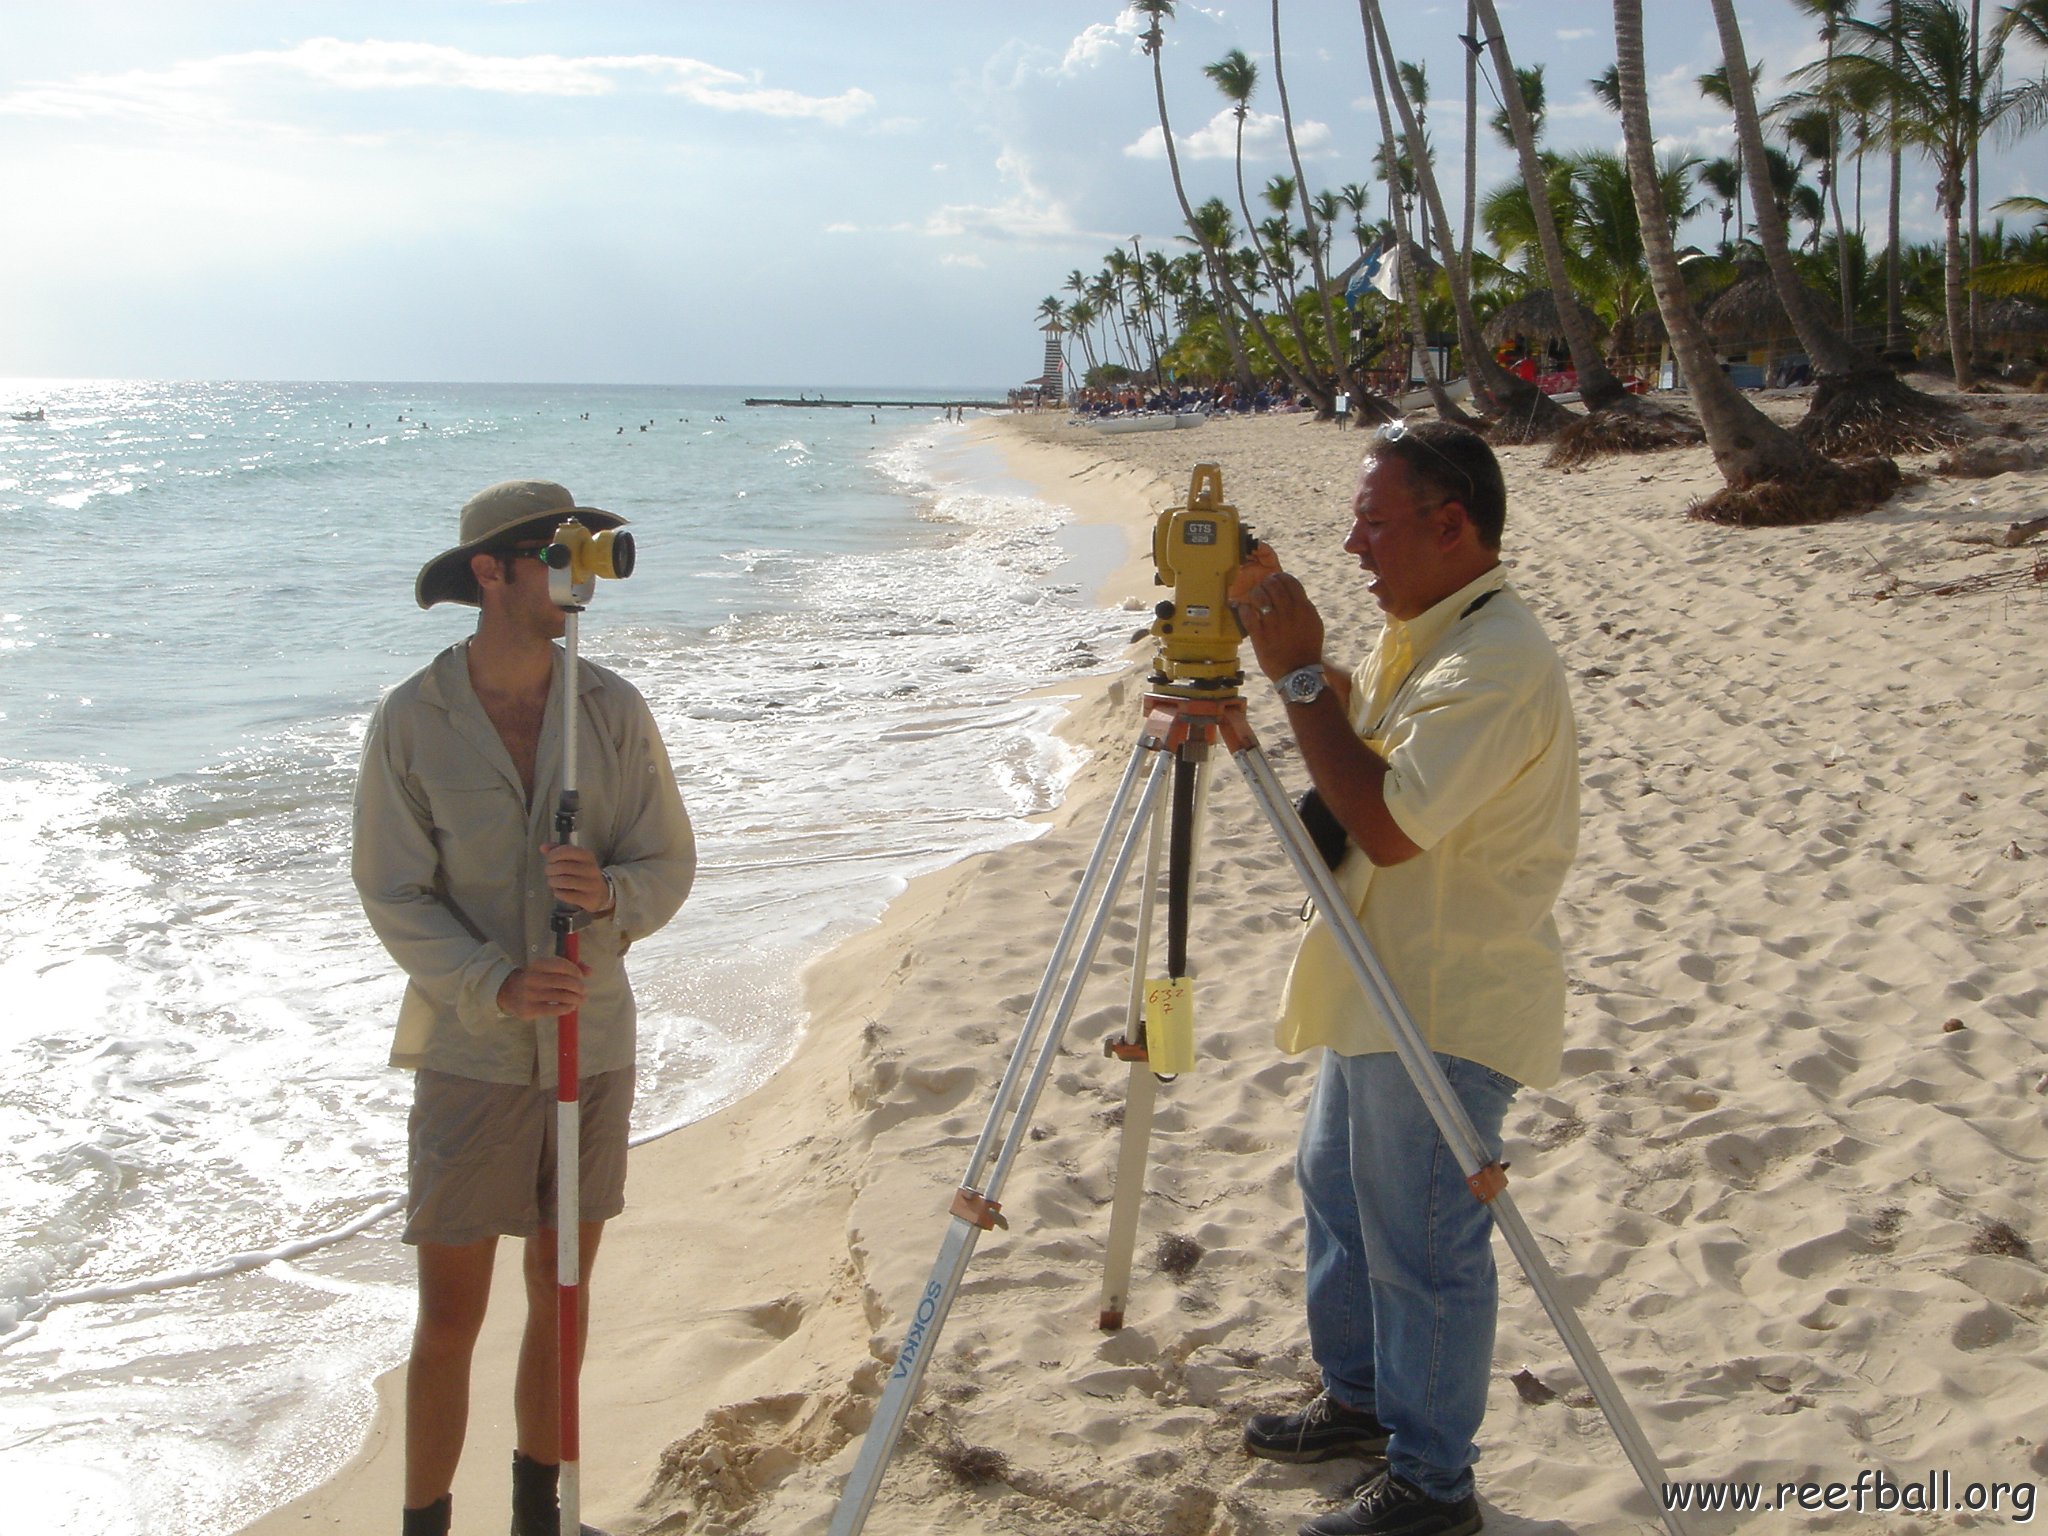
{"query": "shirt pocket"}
pixel 473 809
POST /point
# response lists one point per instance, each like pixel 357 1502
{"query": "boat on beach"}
pixel 1415 399
pixel 1160 422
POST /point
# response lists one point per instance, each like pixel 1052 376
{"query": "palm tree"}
pixel 1722 176
pixel 2021 273
pixel 1153 40
pixel 1944 98
pixel 1079 316
pixel 1770 475
pixel 1214 233
pixel 1599 389
pixel 1414 81
pixel 1391 165
pixel 1606 88
pixel 1859 405
pixel 1527 412
pixel 1530 82
pixel 1355 196
pixel 1606 232
pixel 1237 77
pixel 1832 13
pixel 1338 362
pixel 1715 86
pixel 1473 49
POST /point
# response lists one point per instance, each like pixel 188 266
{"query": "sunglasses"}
pixel 1397 432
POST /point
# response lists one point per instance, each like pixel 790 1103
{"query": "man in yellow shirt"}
pixel 1451 759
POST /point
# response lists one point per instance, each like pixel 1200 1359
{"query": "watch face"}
pixel 1304 686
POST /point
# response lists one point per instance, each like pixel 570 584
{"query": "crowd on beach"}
pixel 1137 399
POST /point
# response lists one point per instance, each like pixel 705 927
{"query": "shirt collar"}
pixel 447 679
pixel 1426 628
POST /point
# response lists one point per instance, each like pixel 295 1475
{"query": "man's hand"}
pixel 575 878
pixel 1283 626
pixel 543 989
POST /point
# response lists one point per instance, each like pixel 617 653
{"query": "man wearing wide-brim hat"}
pixel 457 871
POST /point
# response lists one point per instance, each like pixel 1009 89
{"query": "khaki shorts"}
pixel 481 1156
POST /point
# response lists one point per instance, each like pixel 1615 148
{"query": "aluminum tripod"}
pixel 1181 730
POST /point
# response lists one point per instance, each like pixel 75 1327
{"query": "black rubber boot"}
pixel 431 1520
pixel 536 1505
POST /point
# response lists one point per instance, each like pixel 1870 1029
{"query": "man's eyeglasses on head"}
pixel 1397 431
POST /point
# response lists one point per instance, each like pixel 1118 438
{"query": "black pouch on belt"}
pixel 1324 829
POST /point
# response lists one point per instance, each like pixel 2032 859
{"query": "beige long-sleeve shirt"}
pixel 448 864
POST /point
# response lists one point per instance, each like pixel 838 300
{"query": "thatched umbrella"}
pixel 1534 317
pixel 1637 341
pixel 1748 314
pixel 2014 327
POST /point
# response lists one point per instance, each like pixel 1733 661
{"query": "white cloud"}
pixel 842 229
pixel 1101 40
pixel 1265 137
pixel 200 91
pixel 1031 213
pixel 1573 34
pixel 961 259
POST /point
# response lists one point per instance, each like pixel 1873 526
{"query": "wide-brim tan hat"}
pixel 500 515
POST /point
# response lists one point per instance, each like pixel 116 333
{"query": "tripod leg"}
pixel 1142 1091
pixel 1055 966
pixel 1449 1115
pixel 1139 1094
pixel 974 1211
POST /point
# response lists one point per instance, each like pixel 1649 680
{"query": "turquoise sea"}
pixel 844 622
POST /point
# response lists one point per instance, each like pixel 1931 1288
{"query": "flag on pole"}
pixel 1380 272
pixel 1387 274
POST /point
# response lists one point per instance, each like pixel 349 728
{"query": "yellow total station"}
pixel 1196 550
pixel 577 557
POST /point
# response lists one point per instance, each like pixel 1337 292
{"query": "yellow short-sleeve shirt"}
pixel 1483 776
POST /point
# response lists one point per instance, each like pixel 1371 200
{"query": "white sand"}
pixel 1806 1080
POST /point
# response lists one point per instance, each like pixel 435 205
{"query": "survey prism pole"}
pixel 568 1128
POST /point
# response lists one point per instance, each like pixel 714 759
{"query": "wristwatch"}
pixel 1304 685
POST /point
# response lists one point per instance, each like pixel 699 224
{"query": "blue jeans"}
pixel 1401 1285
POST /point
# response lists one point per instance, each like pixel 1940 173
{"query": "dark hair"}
pixel 1453 462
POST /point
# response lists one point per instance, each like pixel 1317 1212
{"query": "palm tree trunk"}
pixel 1232 337
pixel 1747 445
pixel 1155 45
pixel 1471 136
pixel 1598 387
pixel 1894 272
pixel 1976 134
pixel 1302 377
pixel 1956 309
pixel 1835 198
pixel 1534 414
pixel 1411 288
pixel 1827 348
pixel 1339 364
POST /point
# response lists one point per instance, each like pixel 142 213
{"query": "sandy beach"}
pixel 1792 1178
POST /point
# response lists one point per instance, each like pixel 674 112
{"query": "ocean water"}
pixel 840 624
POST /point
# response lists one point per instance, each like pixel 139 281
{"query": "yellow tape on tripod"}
pixel 1170 1024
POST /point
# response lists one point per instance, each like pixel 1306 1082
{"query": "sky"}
pixel 812 193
